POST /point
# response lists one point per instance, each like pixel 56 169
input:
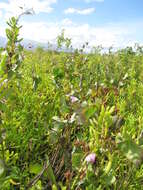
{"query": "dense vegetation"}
pixel 70 120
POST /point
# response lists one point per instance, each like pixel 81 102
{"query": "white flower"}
pixel 73 99
pixel 91 158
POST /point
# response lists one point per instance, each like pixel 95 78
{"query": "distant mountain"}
pixel 28 44
pixel 31 44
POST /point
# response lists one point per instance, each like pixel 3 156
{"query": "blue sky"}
pixel 115 23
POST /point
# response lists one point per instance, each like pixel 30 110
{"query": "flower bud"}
pixel 91 158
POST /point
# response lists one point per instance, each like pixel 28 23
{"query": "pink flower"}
pixel 91 158
pixel 73 99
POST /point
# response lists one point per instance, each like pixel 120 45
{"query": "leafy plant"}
pixel 70 120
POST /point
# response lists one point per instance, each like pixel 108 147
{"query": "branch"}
pixel 37 177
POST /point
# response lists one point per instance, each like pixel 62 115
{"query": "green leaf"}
pixel 109 179
pixel 37 186
pixel 90 111
pixel 50 173
pixel 8 33
pixel 36 82
pixel 76 160
pixel 3 64
pixel 130 149
pixel 54 187
pixel 35 168
pixel 108 166
pixel 58 73
pixel 2 168
pixel 53 137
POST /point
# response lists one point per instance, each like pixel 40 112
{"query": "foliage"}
pixel 58 109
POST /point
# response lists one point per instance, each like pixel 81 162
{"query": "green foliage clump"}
pixel 70 120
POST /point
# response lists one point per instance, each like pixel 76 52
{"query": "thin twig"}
pixel 37 177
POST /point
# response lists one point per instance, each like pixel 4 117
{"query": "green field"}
pixel 70 121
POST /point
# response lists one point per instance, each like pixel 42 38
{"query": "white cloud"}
pixel 12 7
pixel 79 11
pixel 40 31
pixel 67 22
pixel 1 14
pixel 112 34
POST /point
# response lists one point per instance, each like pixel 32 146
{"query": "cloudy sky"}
pixel 117 23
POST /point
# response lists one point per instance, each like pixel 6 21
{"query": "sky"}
pixel 117 23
